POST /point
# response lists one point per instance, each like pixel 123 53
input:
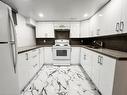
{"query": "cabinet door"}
pixel 44 30
pixel 88 62
pixel 95 69
pixel 94 26
pixel 75 30
pixel 124 16
pixel 23 70
pixel 48 55
pixel 75 55
pixel 84 31
pixel 106 79
pixel 41 50
pixel 33 62
pixel 112 16
pixel 82 57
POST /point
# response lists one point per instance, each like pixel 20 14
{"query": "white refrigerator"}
pixel 8 53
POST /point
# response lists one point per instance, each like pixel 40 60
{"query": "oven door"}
pixel 60 53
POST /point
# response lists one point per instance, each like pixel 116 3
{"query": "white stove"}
pixel 61 52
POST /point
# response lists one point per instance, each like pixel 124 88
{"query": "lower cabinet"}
pixel 48 59
pixel 106 74
pixel 23 69
pixel 86 61
pixel 75 53
pixel 28 66
pixel 101 70
pixel 41 51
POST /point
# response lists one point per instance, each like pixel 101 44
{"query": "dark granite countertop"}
pixel 28 48
pixel 119 55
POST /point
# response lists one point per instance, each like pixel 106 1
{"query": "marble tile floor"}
pixel 61 80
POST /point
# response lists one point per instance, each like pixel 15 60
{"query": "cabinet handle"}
pixel 121 26
pixel 84 57
pixel 27 56
pixel 100 60
pixel 117 26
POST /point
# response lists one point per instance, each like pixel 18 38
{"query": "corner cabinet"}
pixel 45 30
pixel 75 30
pixel 108 74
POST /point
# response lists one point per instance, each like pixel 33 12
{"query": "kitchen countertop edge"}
pixel 26 49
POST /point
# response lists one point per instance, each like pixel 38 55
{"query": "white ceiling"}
pixel 57 9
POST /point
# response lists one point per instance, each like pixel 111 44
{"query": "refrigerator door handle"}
pixel 14 54
pixel 13 43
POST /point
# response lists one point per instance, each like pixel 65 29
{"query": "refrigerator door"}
pixel 6 27
pixel 8 77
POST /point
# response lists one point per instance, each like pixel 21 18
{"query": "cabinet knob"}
pixel 100 60
pixel 27 58
pixel 121 26
pixel 117 26
pixel 85 57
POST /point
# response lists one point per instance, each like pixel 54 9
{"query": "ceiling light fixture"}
pixel 41 15
pixel 85 15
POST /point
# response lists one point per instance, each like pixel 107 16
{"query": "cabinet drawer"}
pixel 33 53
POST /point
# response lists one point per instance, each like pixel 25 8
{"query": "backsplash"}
pixel 116 42
pixel 51 41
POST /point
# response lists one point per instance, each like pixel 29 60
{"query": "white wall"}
pixel 25 34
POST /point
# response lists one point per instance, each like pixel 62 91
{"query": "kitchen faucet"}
pixel 99 43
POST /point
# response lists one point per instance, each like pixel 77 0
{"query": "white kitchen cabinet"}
pixel 103 73
pixel 75 53
pixel 28 66
pixel 107 20
pixel 34 62
pixel 45 30
pixel 41 51
pixel 23 70
pixel 124 16
pixel 95 69
pixel 85 29
pixel 82 57
pixel 86 61
pixel 93 26
pixel 112 13
pixel 61 25
pixel 75 30
pixel 48 59
pixel 106 75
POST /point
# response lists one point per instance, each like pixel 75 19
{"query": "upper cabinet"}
pixel 94 26
pixel 45 30
pixel 61 25
pixel 75 30
pixel 111 15
pixel 85 29
pixel 111 19
pixel 124 16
